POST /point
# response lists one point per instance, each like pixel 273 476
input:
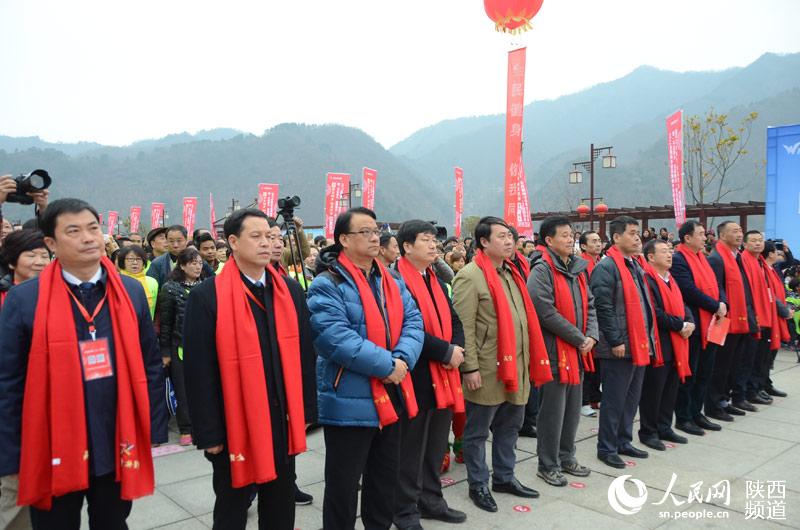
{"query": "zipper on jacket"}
pixel 338 378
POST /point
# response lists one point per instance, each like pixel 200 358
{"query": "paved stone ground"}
pixel 763 446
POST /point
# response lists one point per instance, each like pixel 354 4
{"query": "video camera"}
pixel 36 180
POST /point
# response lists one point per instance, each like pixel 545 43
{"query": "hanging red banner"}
pixel 515 104
pixel 156 215
pixel 459 199
pixel 675 156
pixel 189 213
pixel 369 179
pixel 268 199
pixel 136 215
pixel 212 215
pixel 337 187
pixel 112 222
pixel 523 223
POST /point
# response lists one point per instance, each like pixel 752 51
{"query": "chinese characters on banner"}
pixel 112 221
pixel 189 213
pixel 369 178
pixel 514 110
pixel 459 199
pixel 156 215
pixel 268 199
pixel 212 215
pixel 136 214
pixel 675 156
pixel 523 223
pixel 338 186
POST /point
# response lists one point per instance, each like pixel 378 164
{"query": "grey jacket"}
pixel 540 287
pixel 609 302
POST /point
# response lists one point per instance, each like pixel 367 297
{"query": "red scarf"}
pixel 638 336
pixel 673 305
pixel 734 288
pixel 524 264
pixel 54 459
pixel 539 367
pixel 3 297
pixel 568 369
pixel 244 385
pixel 780 328
pixel 376 333
pixel 592 262
pixel 759 288
pixel 281 269
pixel 438 322
pixel 706 281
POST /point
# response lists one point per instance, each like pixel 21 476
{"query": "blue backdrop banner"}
pixel 782 216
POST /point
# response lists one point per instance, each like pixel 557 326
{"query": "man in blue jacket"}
pixel 73 233
pixel 360 373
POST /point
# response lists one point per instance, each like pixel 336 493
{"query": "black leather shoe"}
pixel 702 422
pixel 766 397
pixel 448 516
pixel 745 405
pixel 690 427
pixel 483 499
pixel 734 410
pixel 612 460
pixel 672 436
pixel 772 391
pixel 632 451
pixel 528 431
pixel 516 488
pixel 652 443
pixel 720 415
pixel 756 399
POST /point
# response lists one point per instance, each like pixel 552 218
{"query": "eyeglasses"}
pixel 366 233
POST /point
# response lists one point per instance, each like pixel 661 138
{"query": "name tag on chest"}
pixel 96 359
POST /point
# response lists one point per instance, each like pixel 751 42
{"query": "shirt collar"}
pixel 665 277
pixel 263 278
pixel 73 280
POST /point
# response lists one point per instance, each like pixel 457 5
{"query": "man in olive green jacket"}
pixel 488 404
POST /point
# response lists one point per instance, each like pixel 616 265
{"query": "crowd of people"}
pixel 388 341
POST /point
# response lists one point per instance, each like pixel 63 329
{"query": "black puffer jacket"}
pixel 171 307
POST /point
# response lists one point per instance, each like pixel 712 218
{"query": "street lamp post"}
pixel 346 200
pixel 576 176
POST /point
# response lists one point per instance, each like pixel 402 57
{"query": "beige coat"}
pixel 475 308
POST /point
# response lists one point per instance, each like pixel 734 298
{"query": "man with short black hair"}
pixel 161 267
pixel 591 247
pixel 249 412
pixel 81 381
pixel 207 248
pixel 627 339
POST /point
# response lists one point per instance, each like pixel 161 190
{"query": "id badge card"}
pixel 96 359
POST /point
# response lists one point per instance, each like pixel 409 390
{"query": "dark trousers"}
pixel 692 392
pixel 504 422
pixel 275 498
pixel 724 364
pixel 622 387
pixel 179 383
pixel 591 385
pixel 423 443
pixel 531 408
pixel 743 373
pixel 759 379
pixel 657 403
pixel 351 452
pixel 107 511
pixel 559 414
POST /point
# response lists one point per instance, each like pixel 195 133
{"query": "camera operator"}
pixel 9 186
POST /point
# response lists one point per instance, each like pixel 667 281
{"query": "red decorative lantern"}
pixel 601 209
pixel 582 210
pixel 512 16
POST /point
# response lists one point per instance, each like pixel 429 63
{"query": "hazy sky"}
pixel 116 71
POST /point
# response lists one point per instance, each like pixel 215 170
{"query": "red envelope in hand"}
pixel 718 330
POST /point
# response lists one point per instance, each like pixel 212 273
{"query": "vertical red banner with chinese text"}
pixel 368 181
pixel 459 200
pixel 675 158
pixel 189 213
pixel 336 188
pixel 515 105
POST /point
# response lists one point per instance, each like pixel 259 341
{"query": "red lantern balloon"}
pixel 582 210
pixel 601 209
pixel 512 16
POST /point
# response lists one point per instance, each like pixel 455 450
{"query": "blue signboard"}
pixel 782 216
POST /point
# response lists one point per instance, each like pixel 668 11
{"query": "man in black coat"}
pixel 424 439
pixel 250 237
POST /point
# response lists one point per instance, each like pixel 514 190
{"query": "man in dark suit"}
pixel 102 387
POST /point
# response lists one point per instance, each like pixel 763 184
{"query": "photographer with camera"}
pixel 25 189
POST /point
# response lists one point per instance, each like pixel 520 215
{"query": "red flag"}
pixel 156 215
pixel 459 199
pixel 189 213
pixel 369 178
pixel 268 199
pixel 212 215
pixel 338 186
pixel 136 214
pixel 675 156
pixel 514 108
pixel 112 222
